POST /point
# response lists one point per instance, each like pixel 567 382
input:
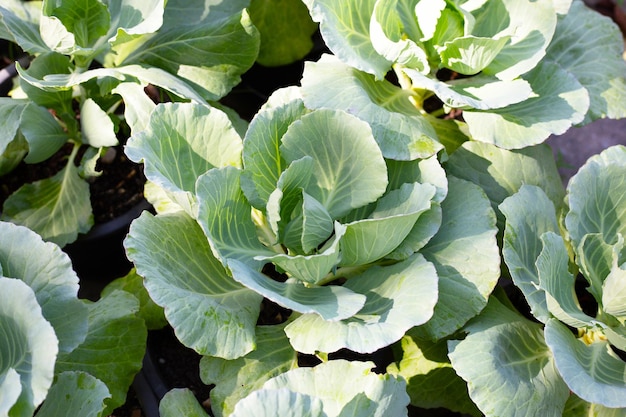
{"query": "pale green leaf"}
pixel 600 70
pixel 50 94
pixel 345 27
pixel 11 111
pixel 331 302
pixel 286 29
pixel 594 257
pixel 529 214
pixel 56 36
pixel 501 173
pixel 288 195
pixel 395 33
pixel 400 130
pixel 62 82
pixel 593 372
pixel 597 197
pixel 160 78
pixel 137 105
pixel 195 43
pixel 182 142
pixel 237 378
pixel 180 402
pixel 133 18
pixel 279 402
pixel 114 346
pixel 262 161
pixel 399 297
pixel 313 268
pixel 226 218
pixel 11 389
pixel 42 131
pixel 75 394
pixel 210 311
pixel 558 282
pixel 51 277
pixel 20 24
pixel 96 125
pixel 510 371
pixel 380 395
pixel 29 349
pixel 316 223
pixel 431 380
pixel 468 231
pixel 470 55
pixel 558 103
pixel 530 25
pixel 58 208
pixel 614 292
pixel 479 93
pixel 427 170
pixel 87 20
pixel 349 169
pixel 387 226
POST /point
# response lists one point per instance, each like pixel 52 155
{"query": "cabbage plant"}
pixel 61 355
pixel 505 72
pixel 302 210
pixel 557 348
pixel 91 60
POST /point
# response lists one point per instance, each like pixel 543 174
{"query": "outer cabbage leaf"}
pixel 180 402
pixel 114 346
pixel 501 173
pixel 399 297
pixel 330 302
pixel 349 169
pixel 210 312
pixel 51 277
pixel 597 197
pixel 595 259
pixel 468 231
pixel 237 378
pixel 282 402
pixel 11 111
pixel 507 365
pixel 431 380
pixel 529 214
pixel 195 136
pixel 368 393
pixel 345 27
pixel 399 128
pixel 574 48
pixel 195 44
pixel 75 394
pixel 29 350
pixel 593 372
pixel 19 23
pixel 42 131
pixel 559 102
pixel 286 29
pixel 57 208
